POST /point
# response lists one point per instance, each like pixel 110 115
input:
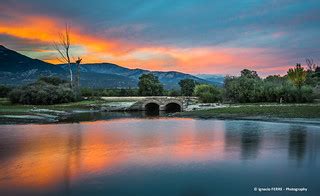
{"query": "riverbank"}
pixel 22 114
pixel 290 113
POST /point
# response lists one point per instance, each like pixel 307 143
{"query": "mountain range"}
pixel 17 69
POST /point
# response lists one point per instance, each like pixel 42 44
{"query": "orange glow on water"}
pixel 64 154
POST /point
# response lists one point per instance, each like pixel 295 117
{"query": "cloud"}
pixel 191 36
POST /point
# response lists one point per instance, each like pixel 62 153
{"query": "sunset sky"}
pixel 193 36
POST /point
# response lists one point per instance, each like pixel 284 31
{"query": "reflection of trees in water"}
pixel 73 156
pixel 232 136
pixel 250 140
pixel 245 135
pixel 297 142
pixel 313 148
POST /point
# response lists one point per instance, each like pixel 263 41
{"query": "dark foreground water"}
pixel 160 156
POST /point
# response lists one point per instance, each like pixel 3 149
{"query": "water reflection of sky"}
pixel 109 154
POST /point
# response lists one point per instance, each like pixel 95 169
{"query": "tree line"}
pixel 297 86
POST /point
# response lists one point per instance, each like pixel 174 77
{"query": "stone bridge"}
pixel 158 103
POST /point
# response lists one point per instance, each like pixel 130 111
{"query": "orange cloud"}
pixel 94 49
pixel 47 30
pixel 203 59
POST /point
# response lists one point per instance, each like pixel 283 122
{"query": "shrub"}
pixel 172 93
pixel 207 93
pixel 90 92
pixel 306 94
pixel 42 93
pixel 317 92
pixel 4 91
pixel 249 88
pixel 52 80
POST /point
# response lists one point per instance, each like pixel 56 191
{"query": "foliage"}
pixel 130 92
pixel 52 80
pixel 172 93
pixel 149 85
pixel 249 74
pixel 248 111
pixel 316 92
pixel 187 86
pixel 313 77
pixel 43 93
pixel 297 76
pixel 91 92
pixel 4 91
pixel 207 93
pixel 248 89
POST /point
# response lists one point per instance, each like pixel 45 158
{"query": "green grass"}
pixel 271 111
pixel 7 108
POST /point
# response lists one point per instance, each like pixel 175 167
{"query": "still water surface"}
pixel 158 156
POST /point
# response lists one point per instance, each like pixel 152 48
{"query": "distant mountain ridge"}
pixel 17 69
pixel 169 78
pixel 214 78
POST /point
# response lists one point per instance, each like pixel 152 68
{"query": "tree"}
pixel 246 88
pixel 311 65
pixel 297 76
pixel 78 61
pixel 207 93
pixel 63 48
pixel 4 91
pixel 313 73
pixel 187 86
pixel 277 79
pixel 249 74
pixel 149 85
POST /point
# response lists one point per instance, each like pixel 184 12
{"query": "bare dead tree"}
pixel 311 65
pixel 63 48
pixel 78 61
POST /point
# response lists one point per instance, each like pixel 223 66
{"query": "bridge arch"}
pixel 151 105
pixel 162 104
pixel 173 107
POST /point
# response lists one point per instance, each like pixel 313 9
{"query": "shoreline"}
pixel 66 118
pixel 93 109
pixel 307 121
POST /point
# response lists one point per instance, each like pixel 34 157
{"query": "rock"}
pixel 48 111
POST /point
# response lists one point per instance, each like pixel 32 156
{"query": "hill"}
pixel 17 69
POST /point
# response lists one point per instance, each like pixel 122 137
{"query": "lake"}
pixel 159 156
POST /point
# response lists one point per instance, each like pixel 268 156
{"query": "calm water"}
pixel 159 156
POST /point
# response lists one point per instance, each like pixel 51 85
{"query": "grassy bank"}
pixel 259 111
pixel 7 108
pixel 18 113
